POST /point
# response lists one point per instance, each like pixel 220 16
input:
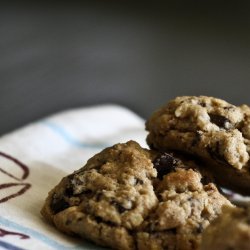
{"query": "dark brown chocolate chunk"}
pixel 99 220
pixel 68 191
pixel 118 206
pixel 205 180
pixel 196 139
pixel 203 104
pixel 98 196
pixel 164 164
pixel 199 229
pixel 138 181
pixel 229 107
pixel 58 205
pixel 172 230
pixel 220 121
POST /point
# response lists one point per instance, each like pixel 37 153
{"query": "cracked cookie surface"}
pixel 127 197
pixel 231 230
pixel 207 127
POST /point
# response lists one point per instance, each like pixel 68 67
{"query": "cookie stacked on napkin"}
pixel 212 130
pixel 128 197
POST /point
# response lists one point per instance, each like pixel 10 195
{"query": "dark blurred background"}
pixel 137 54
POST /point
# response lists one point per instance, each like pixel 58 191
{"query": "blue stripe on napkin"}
pixel 62 132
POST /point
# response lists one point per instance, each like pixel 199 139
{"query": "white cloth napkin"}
pixel 33 160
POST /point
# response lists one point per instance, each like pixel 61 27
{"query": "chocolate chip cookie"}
pixel 231 230
pixel 127 197
pixel 210 128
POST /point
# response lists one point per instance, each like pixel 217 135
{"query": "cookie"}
pixel 245 125
pixel 231 230
pixel 210 128
pixel 186 207
pixel 127 197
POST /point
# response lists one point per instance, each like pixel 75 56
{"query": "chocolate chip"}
pixel 138 181
pixel 164 164
pixel 110 223
pixel 58 204
pixel 199 229
pixel 205 214
pixel 220 121
pixel 87 191
pixel 196 139
pixel 205 180
pixel 229 107
pixel 203 104
pixel 68 191
pixel 99 220
pixel 173 230
pixel 98 196
pixel 118 207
